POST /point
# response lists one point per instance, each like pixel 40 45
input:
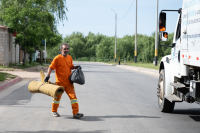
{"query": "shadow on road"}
pixel 195 118
pixel 192 113
pixel 20 96
pixel 101 118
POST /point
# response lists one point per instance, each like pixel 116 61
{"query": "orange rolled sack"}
pixel 45 88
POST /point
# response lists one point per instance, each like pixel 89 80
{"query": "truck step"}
pixel 177 85
pixel 173 98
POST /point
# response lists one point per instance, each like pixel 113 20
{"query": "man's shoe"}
pixel 78 115
pixel 55 114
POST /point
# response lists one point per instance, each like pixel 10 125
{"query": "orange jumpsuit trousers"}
pixel 69 89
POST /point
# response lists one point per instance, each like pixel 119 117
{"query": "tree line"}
pixel 99 47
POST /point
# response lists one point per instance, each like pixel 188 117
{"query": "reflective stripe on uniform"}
pixel 56 102
pixel 74 101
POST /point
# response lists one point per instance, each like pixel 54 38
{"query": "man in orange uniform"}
pixel 63 64
pixel 161 28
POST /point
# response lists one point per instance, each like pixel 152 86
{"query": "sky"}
pixel 96 16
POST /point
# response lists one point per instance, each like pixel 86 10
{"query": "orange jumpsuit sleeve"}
pixel 54 64
pixel 72 63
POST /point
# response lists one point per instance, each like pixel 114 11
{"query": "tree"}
pixel 92 41
pixel 76 42
pixel 30 51
pixel 102 47
pixel 32 19
pixel 105 49
pixel 56 7
pixel 53 45
pixel 29 22
pixel 125 47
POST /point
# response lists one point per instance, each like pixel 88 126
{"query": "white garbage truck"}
pixel 179 78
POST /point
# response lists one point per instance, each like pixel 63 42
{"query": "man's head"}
pixel 64 48
pixel 160 22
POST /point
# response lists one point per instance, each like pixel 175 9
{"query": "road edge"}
pixel 9 83
pixel 140 69
pixel 137 69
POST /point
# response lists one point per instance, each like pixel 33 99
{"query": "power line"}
pixel 127 11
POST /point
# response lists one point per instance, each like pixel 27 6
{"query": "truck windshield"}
pixel 178 31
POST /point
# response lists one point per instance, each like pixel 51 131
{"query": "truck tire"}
pixel 163 103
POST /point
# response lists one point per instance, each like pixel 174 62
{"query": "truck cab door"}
pixel 184 45
pixel 175 51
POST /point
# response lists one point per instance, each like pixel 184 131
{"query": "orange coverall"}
pixel 63 66
pixel 162 28
pixel 165 35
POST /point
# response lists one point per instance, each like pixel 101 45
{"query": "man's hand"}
pixel 78 66
pixel 75 67
pixel 47 78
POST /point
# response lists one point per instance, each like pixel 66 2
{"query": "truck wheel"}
pixel 163 103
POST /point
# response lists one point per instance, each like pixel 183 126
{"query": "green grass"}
pixel 6 67
pixel 21 66
pixel 138 64
pixel 13 77
pixel 144 65
pixel 4 76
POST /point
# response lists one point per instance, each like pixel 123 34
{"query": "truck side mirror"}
pixel 162 21
pixel 163 36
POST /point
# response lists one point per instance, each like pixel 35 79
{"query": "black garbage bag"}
pixel 77 76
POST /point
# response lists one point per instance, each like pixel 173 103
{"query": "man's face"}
pixel 65 50
pixel 160 22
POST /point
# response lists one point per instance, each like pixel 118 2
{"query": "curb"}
pixel 9 83
pixel 104 63
pixel 97 62
pixel 151 72
pixel 140 69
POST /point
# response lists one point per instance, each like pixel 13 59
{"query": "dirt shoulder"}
pixel 27 73
pixel 29 69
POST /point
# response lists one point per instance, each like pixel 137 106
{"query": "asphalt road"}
pixel 113 100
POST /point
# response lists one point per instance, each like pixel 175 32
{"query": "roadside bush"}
pixel 93 59
pixel 100 60
pixel 101 48
pixel 83 59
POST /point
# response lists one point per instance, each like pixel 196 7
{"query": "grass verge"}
pixel 138 64
pixel 21 66
pixel 5 76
